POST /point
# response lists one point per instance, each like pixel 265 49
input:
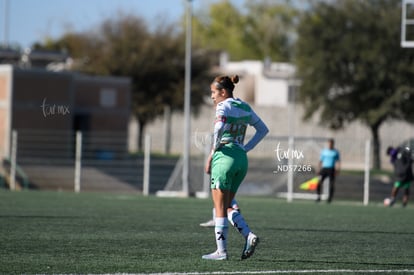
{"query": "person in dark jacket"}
pixel 402 161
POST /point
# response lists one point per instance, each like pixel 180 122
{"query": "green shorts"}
pixel 228 167
pixel 404 185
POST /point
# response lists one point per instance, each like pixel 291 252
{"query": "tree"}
pixel 352 66
pixel 270 29
pixel 265 29
pixel 154 60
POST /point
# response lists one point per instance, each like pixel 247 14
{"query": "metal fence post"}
pixel 13 161
pixel 147 156
pixel 367 168
pixel 290 171
pixel 78 164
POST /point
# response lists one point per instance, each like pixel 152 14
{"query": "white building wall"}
pixel 271 84
pixel 271 92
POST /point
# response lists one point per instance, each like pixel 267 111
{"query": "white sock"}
pixel 236 219
pixel 220 230
pixel 214 213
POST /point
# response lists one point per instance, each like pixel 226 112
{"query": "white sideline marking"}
pixel 304 271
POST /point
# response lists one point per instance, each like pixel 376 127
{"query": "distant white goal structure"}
pixel 407 24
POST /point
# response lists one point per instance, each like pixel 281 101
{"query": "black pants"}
pixel 330 173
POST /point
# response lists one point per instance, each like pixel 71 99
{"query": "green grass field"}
pixel 101 233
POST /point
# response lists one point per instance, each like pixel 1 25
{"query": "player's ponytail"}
pixel 227 83
pixel 234 79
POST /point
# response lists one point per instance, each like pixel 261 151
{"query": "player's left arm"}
pixel 261 132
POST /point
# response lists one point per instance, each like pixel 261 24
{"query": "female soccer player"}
pixel 228 163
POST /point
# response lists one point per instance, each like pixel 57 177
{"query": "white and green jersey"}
pixel 232 118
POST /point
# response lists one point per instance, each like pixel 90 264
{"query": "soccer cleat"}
pixel 251 242
pixel 215 256
pixel 210 223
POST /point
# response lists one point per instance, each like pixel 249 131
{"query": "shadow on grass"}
pixel 336 231
pixel 39 217
pixel 370 264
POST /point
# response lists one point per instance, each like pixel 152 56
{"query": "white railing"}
pixel 63 160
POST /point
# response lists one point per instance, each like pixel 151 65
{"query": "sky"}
pixel 24 22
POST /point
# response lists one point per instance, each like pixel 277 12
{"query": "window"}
pixel 108 97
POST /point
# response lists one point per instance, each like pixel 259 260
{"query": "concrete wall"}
pixel 351 140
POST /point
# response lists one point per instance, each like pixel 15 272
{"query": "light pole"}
pixel 187 101
pixel 6 23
